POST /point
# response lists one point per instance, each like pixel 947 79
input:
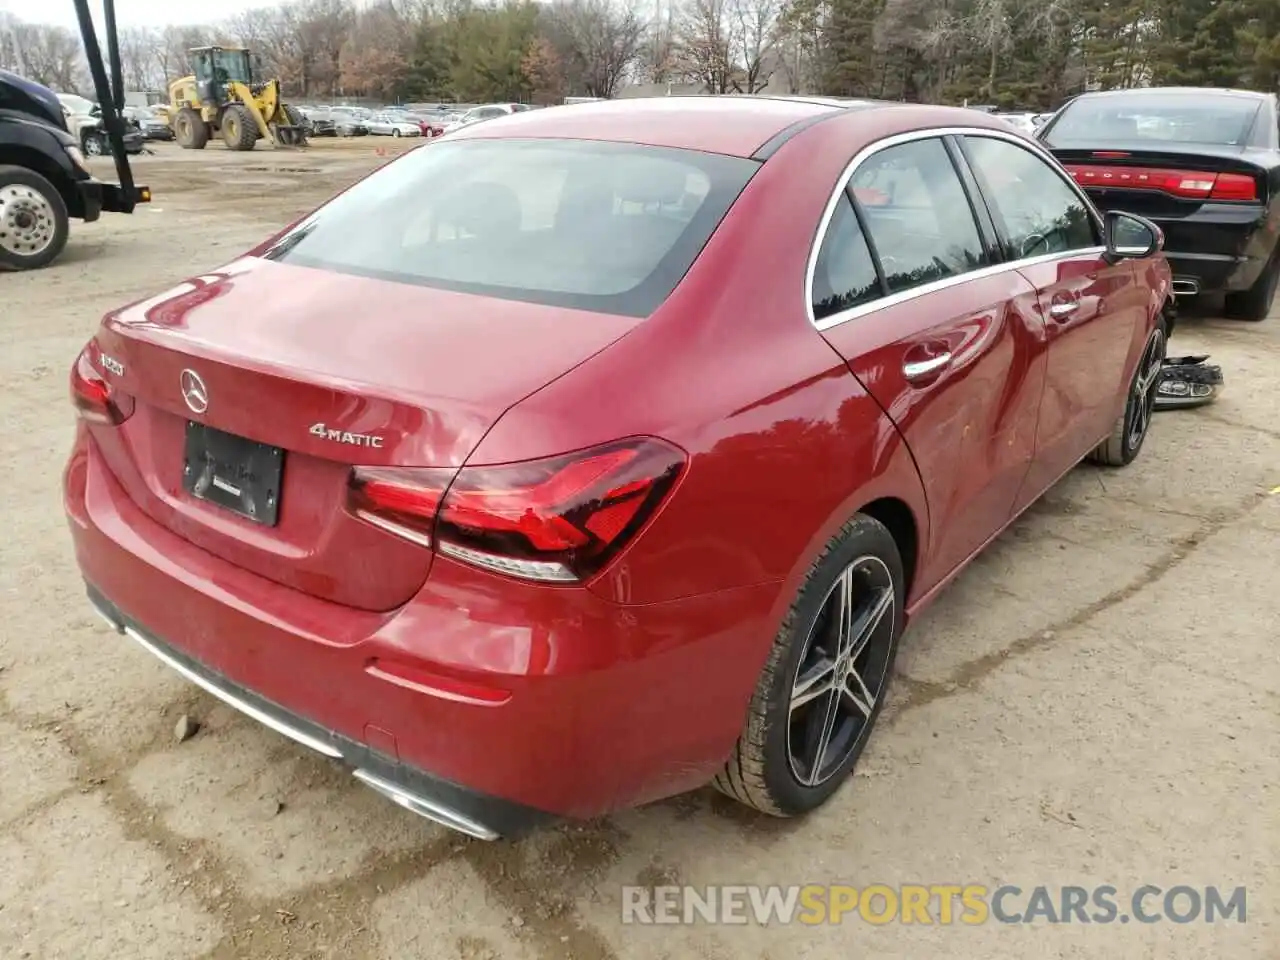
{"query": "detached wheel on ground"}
pixel 239 130
pixel 824 683
pixel 190 130
pixel 33 220
pixel 1255 303
pixel 1132 426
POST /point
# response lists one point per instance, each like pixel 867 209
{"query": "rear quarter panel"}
pixel 785 444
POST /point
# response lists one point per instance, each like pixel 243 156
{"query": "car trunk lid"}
pixel 328 371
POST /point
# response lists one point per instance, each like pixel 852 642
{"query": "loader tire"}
pixel 190 130
pixel 239 131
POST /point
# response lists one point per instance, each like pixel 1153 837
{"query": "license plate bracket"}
pixel 233 472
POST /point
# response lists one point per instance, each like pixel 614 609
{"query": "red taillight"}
pixel 1190 184
pixel 559 520
pixel 401 500
pixel 96 400
pixel 1234 186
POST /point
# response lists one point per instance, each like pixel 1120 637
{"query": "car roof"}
pixel 1180 92
pixel 732 124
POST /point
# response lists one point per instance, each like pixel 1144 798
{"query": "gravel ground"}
pixel 1095 701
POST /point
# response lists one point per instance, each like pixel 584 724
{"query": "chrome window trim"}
pixel 866 153
pixel 902 296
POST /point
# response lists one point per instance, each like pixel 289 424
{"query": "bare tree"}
pixel 657 60
pixel 47 54
pixel 754 35
pixel 137 58
pixel 704 41
pixel 597 41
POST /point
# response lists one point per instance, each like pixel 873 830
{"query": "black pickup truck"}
pixel 44 180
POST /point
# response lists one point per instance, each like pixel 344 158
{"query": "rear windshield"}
pixel 598 226
pixel 1177 118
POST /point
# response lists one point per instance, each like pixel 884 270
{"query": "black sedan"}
pixel 1203 164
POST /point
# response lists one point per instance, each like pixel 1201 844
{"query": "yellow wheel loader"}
pixel 221 99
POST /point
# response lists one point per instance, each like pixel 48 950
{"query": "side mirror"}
pixel 1129 236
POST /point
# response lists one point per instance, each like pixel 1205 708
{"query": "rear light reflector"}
pixel 95 400
pixel 557 520
pixel 1188 184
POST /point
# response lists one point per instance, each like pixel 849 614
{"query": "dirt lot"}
pixel 1097 701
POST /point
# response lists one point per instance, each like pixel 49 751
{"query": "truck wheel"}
pixel 33 220
pixel 239 131
pixel 1255 303
pixel 190 130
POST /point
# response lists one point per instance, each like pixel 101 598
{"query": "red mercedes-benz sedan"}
pixel 587 455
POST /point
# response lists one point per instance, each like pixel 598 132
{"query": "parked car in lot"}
pixel 319 122
pixel 390 125
pixel 84 121
pixel 1202 164
pixel 149 122
pixel 660 421
pixel 1022 121
pixel 347 123
pixel 489 111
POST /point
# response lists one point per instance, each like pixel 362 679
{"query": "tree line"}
pixel 1010 53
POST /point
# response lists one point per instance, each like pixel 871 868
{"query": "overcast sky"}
pixel 128 12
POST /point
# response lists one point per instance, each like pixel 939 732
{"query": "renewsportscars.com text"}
pixel 940 904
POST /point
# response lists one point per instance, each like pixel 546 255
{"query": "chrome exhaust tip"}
pixel 1186 287
pixel 430 809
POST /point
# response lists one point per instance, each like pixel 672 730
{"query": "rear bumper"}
pixel 474 814
pixel 497 702
pixel 1222 247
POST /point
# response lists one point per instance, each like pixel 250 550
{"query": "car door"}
pixel 1091 307
pixel 949 342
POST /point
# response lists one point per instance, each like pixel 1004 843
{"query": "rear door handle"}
pixel 1060 311
pixel 919 369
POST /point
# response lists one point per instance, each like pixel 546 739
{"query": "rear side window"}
pixel 918 214
pixel 598 226
pixel 844 275
pixel 1156 117
pixel 1041 213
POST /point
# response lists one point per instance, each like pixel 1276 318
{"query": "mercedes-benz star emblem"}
pixel 194 391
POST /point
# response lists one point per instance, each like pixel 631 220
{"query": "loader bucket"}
pixel 288 135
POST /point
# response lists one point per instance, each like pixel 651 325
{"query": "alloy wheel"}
pixel 1145 385
pixel 27 220
pixel 842 671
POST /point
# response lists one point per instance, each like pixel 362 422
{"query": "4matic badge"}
pixel 345 436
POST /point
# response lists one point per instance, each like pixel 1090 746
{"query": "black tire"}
pixel 33 220
pixel 239 129
pixel 190 130
pixel 1254 304
pixel 1130 430
pixel 763 771
pixel 395 132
